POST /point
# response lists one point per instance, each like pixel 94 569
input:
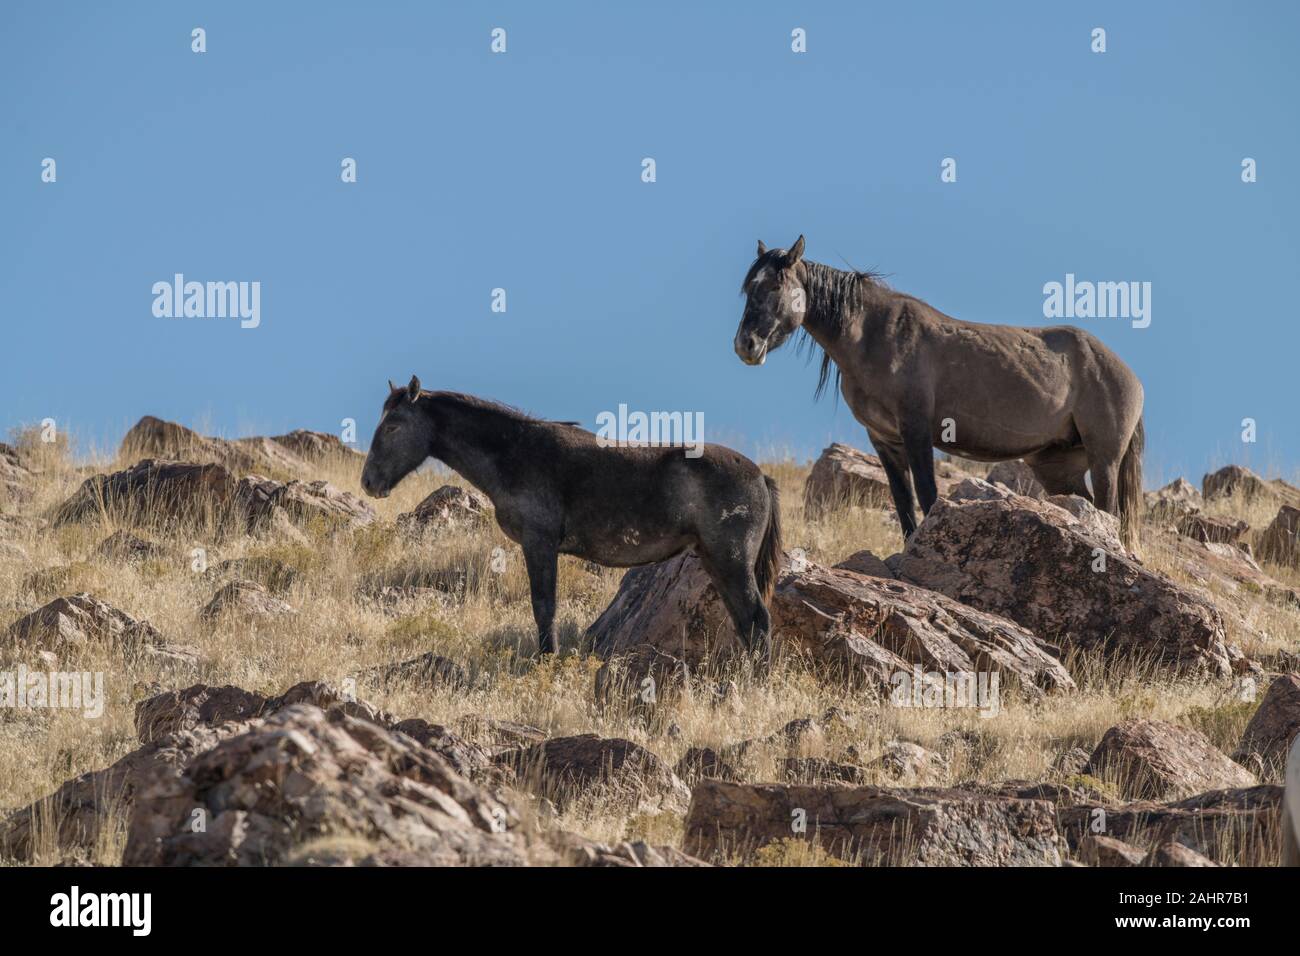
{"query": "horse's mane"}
pixel 481 404
pixel 836 294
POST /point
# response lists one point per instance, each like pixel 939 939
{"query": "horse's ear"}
pixel 413 389
pixel 762 249
pixel 795 253
pixel 391 387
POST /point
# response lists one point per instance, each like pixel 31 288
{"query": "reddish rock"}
pixel 845 477
pixel 1064 579
pixel 266 794
pixel 851 625
pixel 1153 759
pixel 864 562
pixel 1018 477
pixel 929 827
pixel 1276 722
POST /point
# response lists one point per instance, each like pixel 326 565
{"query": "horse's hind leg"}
pixel 542 562
pixel 1105 484
pixel 894 460
pixel 738 588
pixel 1062 472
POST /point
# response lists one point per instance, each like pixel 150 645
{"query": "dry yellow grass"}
pixel 337 633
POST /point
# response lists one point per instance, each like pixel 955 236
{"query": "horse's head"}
pixel 775 301
pixel 401 441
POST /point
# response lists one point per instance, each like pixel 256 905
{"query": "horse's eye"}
pixel 390 428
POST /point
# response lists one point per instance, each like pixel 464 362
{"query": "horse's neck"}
pixel 474 442
pixel 834 318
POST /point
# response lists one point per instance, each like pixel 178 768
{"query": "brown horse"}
pixel 558 489
pixel 918 380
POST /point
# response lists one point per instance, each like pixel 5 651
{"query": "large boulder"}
pixel 1065 579
pixel 1157 760
pixel 928 827
pixel 853 625
pixel 1017 476
pixel 845 477
pixel 1275 724
pixel 267 795
pixel 176 726
pixel 168 495
pixel 159 494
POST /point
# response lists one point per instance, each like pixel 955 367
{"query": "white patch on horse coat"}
pixel 738 511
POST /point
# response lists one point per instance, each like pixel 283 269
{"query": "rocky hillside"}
pixel 291 673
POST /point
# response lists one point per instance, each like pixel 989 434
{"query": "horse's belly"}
pixel 624 548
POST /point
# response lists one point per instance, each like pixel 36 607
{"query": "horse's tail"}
pixel 769 553
pixel 1130 488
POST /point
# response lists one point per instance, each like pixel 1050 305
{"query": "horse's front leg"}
pixel 542 560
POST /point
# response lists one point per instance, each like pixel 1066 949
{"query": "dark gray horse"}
pixel 558 490
pixel 918 380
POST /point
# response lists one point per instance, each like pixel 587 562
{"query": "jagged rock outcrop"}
pixel 1065 579
pixel 853 625
pixel 929 827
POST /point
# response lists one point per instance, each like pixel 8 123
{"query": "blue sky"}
pixel 523 171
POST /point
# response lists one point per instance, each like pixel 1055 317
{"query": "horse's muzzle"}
pixel 752 351
pixel 371 489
